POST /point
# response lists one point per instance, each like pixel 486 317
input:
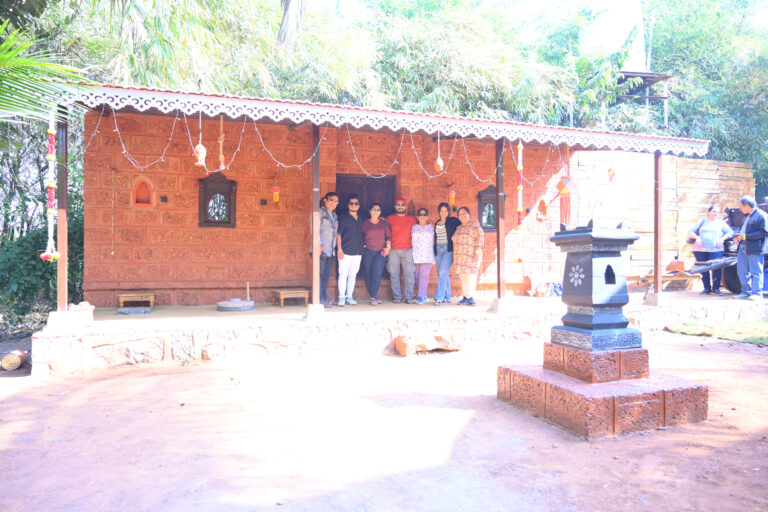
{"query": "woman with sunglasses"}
pixel 422 242
pixel 468 241
pixel 377 240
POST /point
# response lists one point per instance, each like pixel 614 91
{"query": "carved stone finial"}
pixel 590 224
pixel 564 227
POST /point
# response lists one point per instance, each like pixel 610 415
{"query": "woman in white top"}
pixel 710 233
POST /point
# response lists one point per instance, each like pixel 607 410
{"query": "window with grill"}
pixel 218 196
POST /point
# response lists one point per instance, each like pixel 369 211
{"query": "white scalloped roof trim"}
pixel 143 100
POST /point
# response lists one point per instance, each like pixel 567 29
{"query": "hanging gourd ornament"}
pixel 438 166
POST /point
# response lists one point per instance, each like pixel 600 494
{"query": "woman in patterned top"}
pixel 468 241
pixel 423 242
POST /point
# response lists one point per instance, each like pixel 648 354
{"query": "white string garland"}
pixel 290 166
pixel 96 129
pixel 134 162
pixel 447 164
pixel 131 158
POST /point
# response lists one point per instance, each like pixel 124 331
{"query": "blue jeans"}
pixel 716 274
pixel 373 263
pixel 326 268
pixel 750 270
pixel 444 262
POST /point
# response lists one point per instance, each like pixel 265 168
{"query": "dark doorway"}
pixel 369 190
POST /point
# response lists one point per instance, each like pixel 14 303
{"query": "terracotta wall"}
pixel 160 247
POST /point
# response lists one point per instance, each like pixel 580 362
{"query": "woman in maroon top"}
pixel 377 239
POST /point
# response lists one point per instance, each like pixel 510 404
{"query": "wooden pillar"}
pixel 501 282
pixel 316 216
pixel 657 221
pixel 62 241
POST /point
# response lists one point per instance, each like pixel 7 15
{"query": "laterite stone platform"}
pixel 595 380
pixel 593 410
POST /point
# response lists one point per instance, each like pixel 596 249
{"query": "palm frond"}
pixel 31 84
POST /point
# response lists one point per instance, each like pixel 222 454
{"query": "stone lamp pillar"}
pixel 595 289
pixel 595 380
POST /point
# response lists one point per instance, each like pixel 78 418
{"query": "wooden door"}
pixel 369 190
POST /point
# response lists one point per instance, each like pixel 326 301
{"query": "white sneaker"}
pixel 340 304
pixel 755 297
pixel 351 301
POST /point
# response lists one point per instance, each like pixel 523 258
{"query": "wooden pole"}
pixel 501 286
pixel 61 212
pixel 657 221
pixel 316 217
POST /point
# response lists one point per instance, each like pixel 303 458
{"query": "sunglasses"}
pixel 399 204
pixel 421 214
pixel 354 203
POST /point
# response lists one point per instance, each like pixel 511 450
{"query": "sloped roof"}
pixel 143 99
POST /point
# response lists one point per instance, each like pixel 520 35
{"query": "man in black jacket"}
pixel 753 244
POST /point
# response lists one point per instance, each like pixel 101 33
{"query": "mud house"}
pixel 154 220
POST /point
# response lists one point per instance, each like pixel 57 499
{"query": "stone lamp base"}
pixel 595 394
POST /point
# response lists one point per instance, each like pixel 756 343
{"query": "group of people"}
pixel 709 236
pixel 402 244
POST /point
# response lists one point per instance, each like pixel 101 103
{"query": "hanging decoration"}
pixel 520 184
pixel 275 194
pixel 51 254
pixel 452 197
pixel 222 167
pixel 200 151
pixel 562 185
pixel 438 167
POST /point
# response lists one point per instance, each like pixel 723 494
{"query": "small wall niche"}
pixel 141 195
pixel 610 276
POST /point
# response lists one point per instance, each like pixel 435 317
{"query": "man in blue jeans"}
pixel 753 244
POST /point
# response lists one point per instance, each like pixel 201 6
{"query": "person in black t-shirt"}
pixel 349 245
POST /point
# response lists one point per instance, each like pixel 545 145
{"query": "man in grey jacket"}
pixel 753 244
pixel 329 228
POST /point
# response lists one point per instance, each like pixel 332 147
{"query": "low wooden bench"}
pixel 122 298
pixel 290 293
pixel 647 279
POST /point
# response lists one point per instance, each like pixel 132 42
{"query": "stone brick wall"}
pixel 159 246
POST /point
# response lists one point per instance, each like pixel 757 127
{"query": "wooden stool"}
pixel 290 293
pixel 122 298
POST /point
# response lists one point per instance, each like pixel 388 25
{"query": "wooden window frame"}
pixel 214 184
pixel 485 197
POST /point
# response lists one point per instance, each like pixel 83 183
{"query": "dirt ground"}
pixel 361 430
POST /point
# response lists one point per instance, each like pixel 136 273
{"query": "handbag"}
pixel 691 240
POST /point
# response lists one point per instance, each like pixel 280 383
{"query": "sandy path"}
pixel 359 430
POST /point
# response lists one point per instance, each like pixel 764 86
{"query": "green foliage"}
pixel 720 89
pixel 31 281
pixel 30 83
